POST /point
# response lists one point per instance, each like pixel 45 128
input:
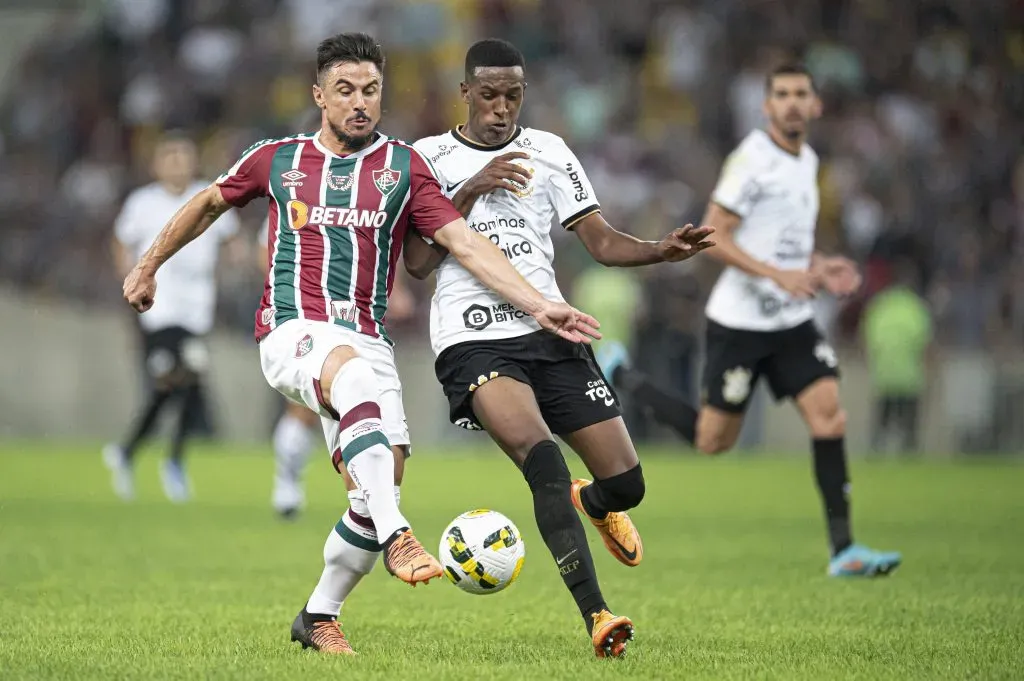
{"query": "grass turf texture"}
pixel 732 585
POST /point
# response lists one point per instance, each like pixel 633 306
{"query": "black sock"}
pixel 668 407
pixel 618 493
pixel 833 482
pixel 560 526
pixel 144 421
pixel 190 405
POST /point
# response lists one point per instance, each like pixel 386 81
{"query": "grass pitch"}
pixel 732 585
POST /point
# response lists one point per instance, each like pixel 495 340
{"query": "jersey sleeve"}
pixel 572 193
pixel 249 178
pixel 736 190
pixel 429 209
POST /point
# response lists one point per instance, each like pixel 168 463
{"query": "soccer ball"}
pixel 482 552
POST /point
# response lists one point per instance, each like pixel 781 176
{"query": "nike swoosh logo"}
pixel 630 555
pixel 564 558
pixel 452 187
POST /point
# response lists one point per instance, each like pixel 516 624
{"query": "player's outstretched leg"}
pixel 508 410
pixel 618 486
pixel 361 448
pixel 668 407
pixel 293 441
pixel 350 552
pixel 819 405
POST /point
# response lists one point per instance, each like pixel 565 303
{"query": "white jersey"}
pixel 519 223
pixel 776 195
pixel 186 285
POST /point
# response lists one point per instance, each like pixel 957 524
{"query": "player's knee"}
pixel 544 467
pixel 624 491
pixel 337 362
pixel 830 425
pixel 829 421
pixel 354 383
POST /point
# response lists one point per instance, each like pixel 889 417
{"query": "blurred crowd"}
pixel 922 140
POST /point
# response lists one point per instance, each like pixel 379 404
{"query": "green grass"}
pixel 732 585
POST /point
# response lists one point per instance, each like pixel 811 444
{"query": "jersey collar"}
pixel 381 140
pixel 459 137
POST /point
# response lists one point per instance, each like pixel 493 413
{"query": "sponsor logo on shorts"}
pixel 467 424
pixel 736 385
pixel 292 178
pixel 304 345
pixel 598 390
pixel 267 315
pixel 826 355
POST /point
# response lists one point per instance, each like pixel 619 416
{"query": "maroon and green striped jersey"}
pixel 336 225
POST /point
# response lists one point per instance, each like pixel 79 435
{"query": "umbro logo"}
pixel 292 178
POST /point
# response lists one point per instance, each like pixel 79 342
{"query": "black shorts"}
pixel 791 360
pixel 570 389
pixel 174 351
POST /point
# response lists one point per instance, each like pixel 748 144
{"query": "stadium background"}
pixel 921 148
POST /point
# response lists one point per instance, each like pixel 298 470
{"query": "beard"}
pixel 352 142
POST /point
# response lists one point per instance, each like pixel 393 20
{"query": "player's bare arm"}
pixel 799 283
pixel 486 262
pixel 420 257
pixel 613 248
pixel 836 274
pixel 500 173
pixel 194 218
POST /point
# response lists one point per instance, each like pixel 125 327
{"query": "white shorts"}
pixel 292 357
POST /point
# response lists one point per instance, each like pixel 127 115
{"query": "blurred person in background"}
pixel 897 329
pixel 173 330
pixel 760 316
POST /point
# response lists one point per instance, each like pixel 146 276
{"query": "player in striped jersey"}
pixel 341 201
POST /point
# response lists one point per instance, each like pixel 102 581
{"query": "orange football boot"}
pixel 406 559
pixel 617 530
pixel 324 636
pixel 610 634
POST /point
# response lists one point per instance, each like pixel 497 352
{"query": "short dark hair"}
pixel 789 68
pixel 492 52
pixel 348 47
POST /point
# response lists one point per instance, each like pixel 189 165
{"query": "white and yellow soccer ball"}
pixel 482 552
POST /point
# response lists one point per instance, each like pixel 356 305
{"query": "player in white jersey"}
pixel 760 318
pixel 173 330
pixel 498 370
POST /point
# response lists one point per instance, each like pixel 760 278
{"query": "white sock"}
pixel 292 444
pixel 362 445
pixel 350 553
